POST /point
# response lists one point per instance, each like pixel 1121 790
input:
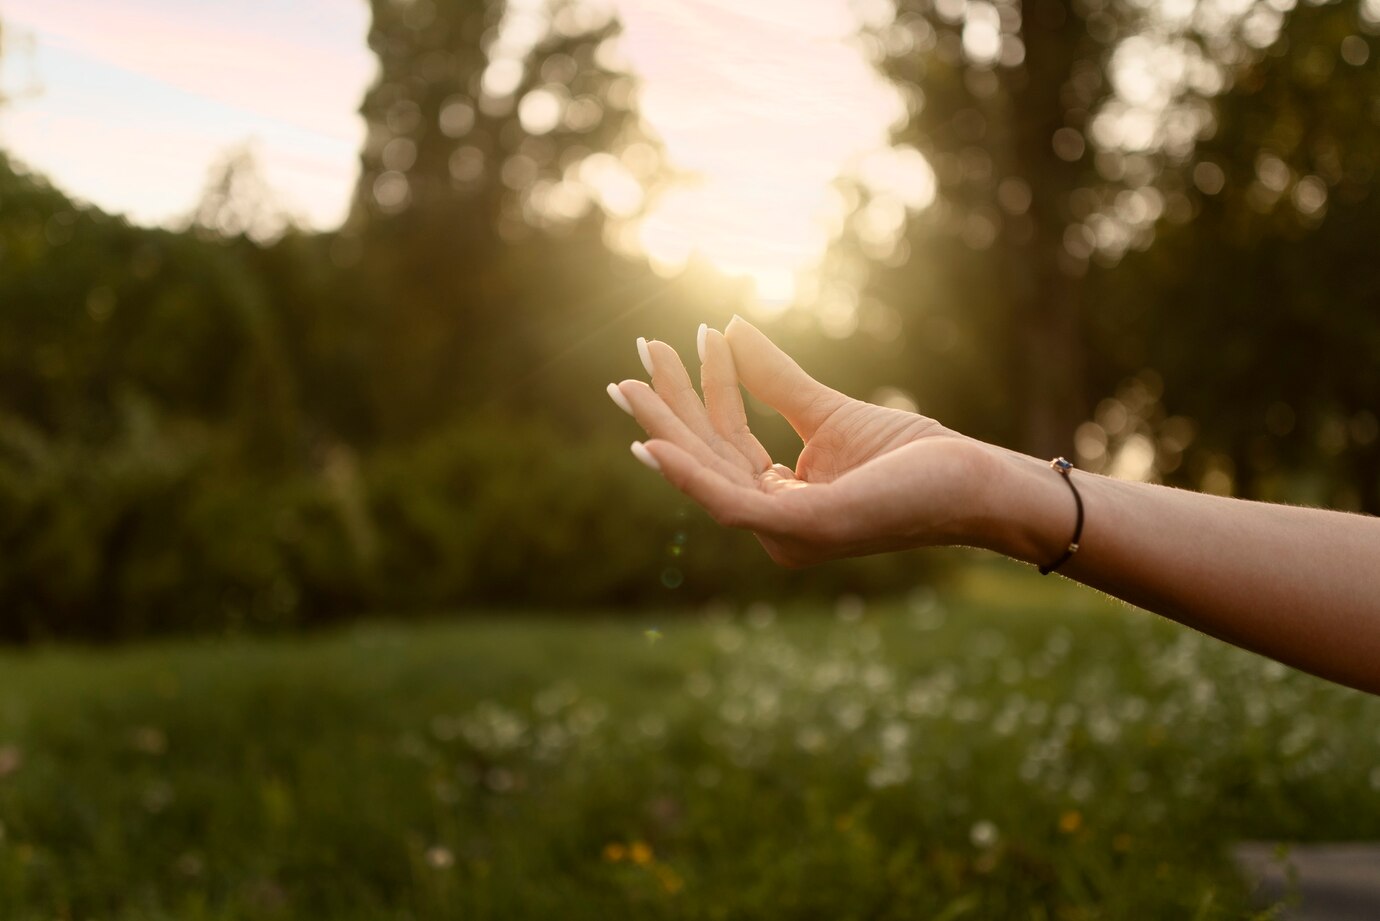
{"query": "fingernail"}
pixel 699 339
pixel 640 452
pixel 645 354
pixel 619 400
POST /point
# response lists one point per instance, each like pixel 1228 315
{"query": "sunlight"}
pixel 760 108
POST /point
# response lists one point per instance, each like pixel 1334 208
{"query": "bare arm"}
pixel 1299 585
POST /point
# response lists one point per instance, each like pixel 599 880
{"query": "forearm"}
pixel 1299 585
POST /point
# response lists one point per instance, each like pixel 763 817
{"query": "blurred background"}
pixel 306 311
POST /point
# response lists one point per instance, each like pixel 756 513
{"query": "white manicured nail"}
pixel 645 354
pixel 619 400
pixel 640 452
pixel 699 339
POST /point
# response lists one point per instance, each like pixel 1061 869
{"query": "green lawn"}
pixel 1013 748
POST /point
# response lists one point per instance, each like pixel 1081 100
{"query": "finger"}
pixel 794 514
pixel 652 413
pixel 724 401
pixel 731 504
pixel 672 384
pixel 775 378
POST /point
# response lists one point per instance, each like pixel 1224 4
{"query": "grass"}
pixel 1014 748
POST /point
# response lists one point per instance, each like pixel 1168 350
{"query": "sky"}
pixel 128 104
pixel 764 104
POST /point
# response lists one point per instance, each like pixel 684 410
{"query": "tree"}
pixel 1060 132
pixel 1260 313
pixel 479 124
pixel 237 201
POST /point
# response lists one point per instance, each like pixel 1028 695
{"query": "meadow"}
pixel 1003 747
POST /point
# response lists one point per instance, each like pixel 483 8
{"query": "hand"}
pixel 871 479
pixel 868 479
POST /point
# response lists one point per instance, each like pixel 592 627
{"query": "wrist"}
pixel 1025 510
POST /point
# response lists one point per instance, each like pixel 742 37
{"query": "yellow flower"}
pixel 614 852
pixel 1070 821
pixel 640 853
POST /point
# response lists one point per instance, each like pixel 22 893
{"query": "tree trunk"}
pixel 1048 358
pixel 1049 362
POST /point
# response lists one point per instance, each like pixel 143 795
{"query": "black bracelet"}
pixel 1063 467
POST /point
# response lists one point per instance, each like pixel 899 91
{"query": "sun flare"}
pixel 760 109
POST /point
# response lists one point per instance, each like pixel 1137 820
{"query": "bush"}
pixel 163 529
pixel 149 533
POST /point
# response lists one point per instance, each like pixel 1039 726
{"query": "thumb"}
pixel 774 378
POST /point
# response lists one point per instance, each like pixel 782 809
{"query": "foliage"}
pixel 1237 309
pixel 208 430
pixel 95 309
pixel 445 199
pixel 195 435
pixel 957 756
pixel 159 530
pixel 1068 137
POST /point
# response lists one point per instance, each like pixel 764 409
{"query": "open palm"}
pixel 861 477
